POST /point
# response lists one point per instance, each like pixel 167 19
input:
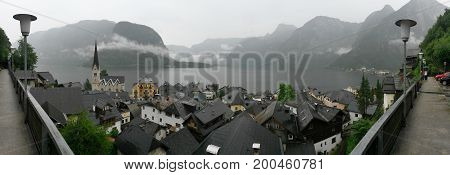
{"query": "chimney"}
pixel 256 148
pixel 213 149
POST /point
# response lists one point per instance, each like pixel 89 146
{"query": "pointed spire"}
pixel 96 57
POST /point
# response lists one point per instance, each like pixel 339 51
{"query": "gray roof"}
pixel 282 114
pixel 54 113
pixel 234 97
pixel 21 75
pixel 371 109
pixel 135 110
pixel 178 109
pixel 134 141
pixel 212 111
pixel 180 143
pixel 96 98
pixel 67 100
pixel 46 76
pixel 238 136
pixel 300 149
pixel 341 96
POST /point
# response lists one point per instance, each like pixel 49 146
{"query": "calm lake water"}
pixel 254 79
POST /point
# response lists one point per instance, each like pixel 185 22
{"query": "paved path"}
pixel 427 128
pixel 15 137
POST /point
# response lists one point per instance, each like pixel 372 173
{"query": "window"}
pixel 290 137
pixel 153 118
pixel 145 115
pixel 160 120
pixel 153 109
pixel 325 142
pixel 333 140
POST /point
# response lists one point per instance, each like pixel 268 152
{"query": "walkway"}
pixel 427 128
pixel 15 137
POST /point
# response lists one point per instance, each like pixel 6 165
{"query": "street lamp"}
pixel 405 25
pixel 25 24
pixel 420 65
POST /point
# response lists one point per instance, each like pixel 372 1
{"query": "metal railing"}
pixel 382 136
pixel 46 136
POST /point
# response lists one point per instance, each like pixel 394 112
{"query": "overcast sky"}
pixel 187 22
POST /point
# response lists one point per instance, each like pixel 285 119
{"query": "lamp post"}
pixel 25 24
pixel 420 65
pixel 405 25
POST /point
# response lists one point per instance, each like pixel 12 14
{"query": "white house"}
pixel 160 117
pixel 328 145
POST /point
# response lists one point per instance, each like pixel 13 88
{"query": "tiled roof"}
pixel 180 143
pixel 238 137
pixel 67 100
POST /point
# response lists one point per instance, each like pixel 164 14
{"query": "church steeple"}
pixel 96 57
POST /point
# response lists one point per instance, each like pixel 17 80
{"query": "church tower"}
pixel 95 71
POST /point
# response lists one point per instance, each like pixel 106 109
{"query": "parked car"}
pixel 446 80
pixel 439 76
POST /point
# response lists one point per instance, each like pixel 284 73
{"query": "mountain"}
pixel 322 34
pixel 216 45
pixel 378 44
pixel 178 49
pixel 118 44
pixel 269 42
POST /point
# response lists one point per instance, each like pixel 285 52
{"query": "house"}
pixel 144 89
pixel 59 103
pixel 322 125
pixel 154 113
pixel 158 132
pixel 180 143
pixel 235 100
pixel 242 136
pixel 339 99
pixel 282 122
pixel 137 140
pixel 31 76
pixel 103 110
pixel 45 79
pixel 209 118
pixel 105 82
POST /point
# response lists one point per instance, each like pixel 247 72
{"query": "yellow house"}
pixel 144 89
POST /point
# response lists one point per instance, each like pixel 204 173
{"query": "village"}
pixel 158 118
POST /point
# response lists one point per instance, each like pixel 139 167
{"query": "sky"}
pixel 188 22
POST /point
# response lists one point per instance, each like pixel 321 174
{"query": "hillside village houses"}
pixel 192 119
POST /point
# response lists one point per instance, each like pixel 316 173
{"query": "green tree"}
pixel 285 92
pixel 379 93
pixel 103 73
pixel 87 85
pixel 364 95
pixel 84 137
pixel 436 45
pixel 357 132
pixel 18 56
pixel 5 46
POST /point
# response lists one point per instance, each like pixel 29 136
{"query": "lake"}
pixel 254 79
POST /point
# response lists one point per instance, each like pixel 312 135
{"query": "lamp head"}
pixel 420 55
pixel 25 22
pixel 405 25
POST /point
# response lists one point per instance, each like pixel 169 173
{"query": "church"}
pixel 105 83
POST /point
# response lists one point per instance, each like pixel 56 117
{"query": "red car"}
pixel 438 77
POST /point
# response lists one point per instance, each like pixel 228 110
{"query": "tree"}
pixel 103 73
pixel 84 137
pixel 364 95
pixel 436 44
pixel 358 131
pixel 285 93
pixel 379 93
pixel 87 85
pixel 18 56
pixel 5 46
